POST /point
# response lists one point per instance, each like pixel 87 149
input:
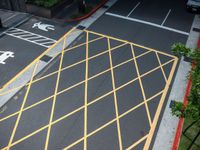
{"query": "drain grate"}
pixel 196 29
pixel 105 6
pixel 46 58
pixel 81 27
pixel 172 103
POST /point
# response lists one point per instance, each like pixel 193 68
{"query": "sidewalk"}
pixel 168 125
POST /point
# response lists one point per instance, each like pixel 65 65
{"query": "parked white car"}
pixel 193 5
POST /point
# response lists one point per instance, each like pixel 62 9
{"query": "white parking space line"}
pixel 166 17
pixel 30 37
pixel 148 23
pixel 133 9
pixel 9 18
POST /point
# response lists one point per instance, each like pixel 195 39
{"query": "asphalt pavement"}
pixel 26 42
pixel 109 92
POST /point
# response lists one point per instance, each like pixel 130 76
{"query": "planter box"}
pixel 47 12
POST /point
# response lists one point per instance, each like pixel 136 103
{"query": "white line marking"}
pixel 30 37
pixel 41 40
pixel 133 9
pixel 166 17
pixel 32 33
pixel 44 43
pixel 27 40
pixel 148 23
pixel 9 18
pixel 33 37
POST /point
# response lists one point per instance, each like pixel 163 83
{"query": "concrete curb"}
pixel 168 124
pixel 24 78
pixel 90 13
pixel 185 102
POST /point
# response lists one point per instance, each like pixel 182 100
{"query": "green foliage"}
pixel 178 109
pixel 193 108
pixel 196 55
pixel 44 3
pixel 179 49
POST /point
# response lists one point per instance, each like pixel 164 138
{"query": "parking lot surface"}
pixel 105 91
pixel 26 42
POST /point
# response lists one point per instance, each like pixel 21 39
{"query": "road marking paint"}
pixel 141 86
pixel 43 27
pixel 4 55
pixel 148 23
pixel 67 89
pixel 115 96
pixel 133 9
pixel 30 37
pixel 86 93
pixel 94 101
pixel 49 42
pixel 21 109
pixel 55 95
pixel 125 41
pixel 9 18
pixel 138 142
pixel 166 17
pixel 163 72
pixel 155 121
pixel 112 121
pixel 38 79
pixel 151 132
pixel 37 59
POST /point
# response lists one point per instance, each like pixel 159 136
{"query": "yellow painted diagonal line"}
pixel 112 121
pixel 37 59
pixel 80 108
pixel 137 45
pixel 113 67
pixel 163 72
pixel 55 95
pixel 86 94
pixel 141 86
pixel 75 85
pixel 136 143
pixel 79 45
pixel 115 98
pixel 22 107
pixel 155 121
pixel 68 67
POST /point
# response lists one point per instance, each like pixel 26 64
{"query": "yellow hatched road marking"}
pixel 138 142
pixel 163 72
pixel 112 121
pixel 144 47
pixel 148 141
pixel 115 98
pixel 68 67
pixel 55 96
pixel 78 109
pixel 86 104
pixel 75 85
pixel 141 86
pixel 37 59
pixel 22 107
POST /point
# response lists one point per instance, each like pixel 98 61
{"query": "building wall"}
pixel 15 5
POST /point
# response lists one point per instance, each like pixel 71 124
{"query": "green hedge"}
pixel 191 134
pixel 44 3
